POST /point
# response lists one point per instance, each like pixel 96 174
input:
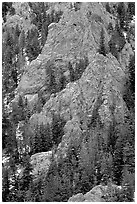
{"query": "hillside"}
pixel 68 102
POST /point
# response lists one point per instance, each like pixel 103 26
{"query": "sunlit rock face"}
pixel 40 163
pixel 76 35
pixel 90 104
pixel 96 194
pixel 97 95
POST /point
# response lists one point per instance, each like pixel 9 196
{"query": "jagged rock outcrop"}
pixel 96 194
pixel 75 36
pixel 40 163
pixel 96 95
pixel 90 104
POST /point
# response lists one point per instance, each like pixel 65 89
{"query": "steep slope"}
pixel 83 89
pixel 93 100
pixel 76 36
pixel 95 96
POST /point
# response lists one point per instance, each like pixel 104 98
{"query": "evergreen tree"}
pixel 13 177
pixel 110 28
pixel 57 129
pixel 32 44
pixel 129 92
pixel 36 145
pixel 62 82
pixel 26 179
pixel 130 11
pixel 43 139
pixel 37 191
pixel 44 33
pixel 14 75
pixel 24 182
pixel 72 73
pixel 108 7
pixel 102 49
pixel 52 83
pixel 51 79
pixel 77 5
pixel 131 68
pixel 5 185
pixel 11 141
pixel 121 14
pixel 118 163
pixel 7 7
pixel 128 183
pixel 16 35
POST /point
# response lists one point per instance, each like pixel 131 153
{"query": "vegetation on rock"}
pixel 68 76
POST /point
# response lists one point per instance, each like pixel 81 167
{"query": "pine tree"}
pixel 13 177
pixel 131 68
pixel 45 138
pixel 108 7
pixel 52 83
pixel 110 28
pixel 129 92
pixel 44 33
pixel 5 185
pixel 51 79
pixel 118 163
pixel 128 183
pixel 57 129
pixel 102 49
pixel 77 6
pixel 26 181
pixel 62 82
pixel 27 173
pixel 72 73
pixel 121 14
pixel 6 7
pixel 36 146
pixel 32 44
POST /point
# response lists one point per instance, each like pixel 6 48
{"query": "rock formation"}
pixel 96 194
pixel 40 162
pixel 71 79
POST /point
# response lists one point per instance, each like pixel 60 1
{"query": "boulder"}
pixel 40 163
pixel 77 198
pixel 96 194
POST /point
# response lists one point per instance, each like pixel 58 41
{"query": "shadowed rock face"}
pixel 90 105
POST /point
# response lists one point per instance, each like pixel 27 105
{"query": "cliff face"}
pixel 76 36
pixel 94 98
pixel 95 93
pixel 86 90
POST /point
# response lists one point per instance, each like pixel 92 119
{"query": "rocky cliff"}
pixel 71 80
